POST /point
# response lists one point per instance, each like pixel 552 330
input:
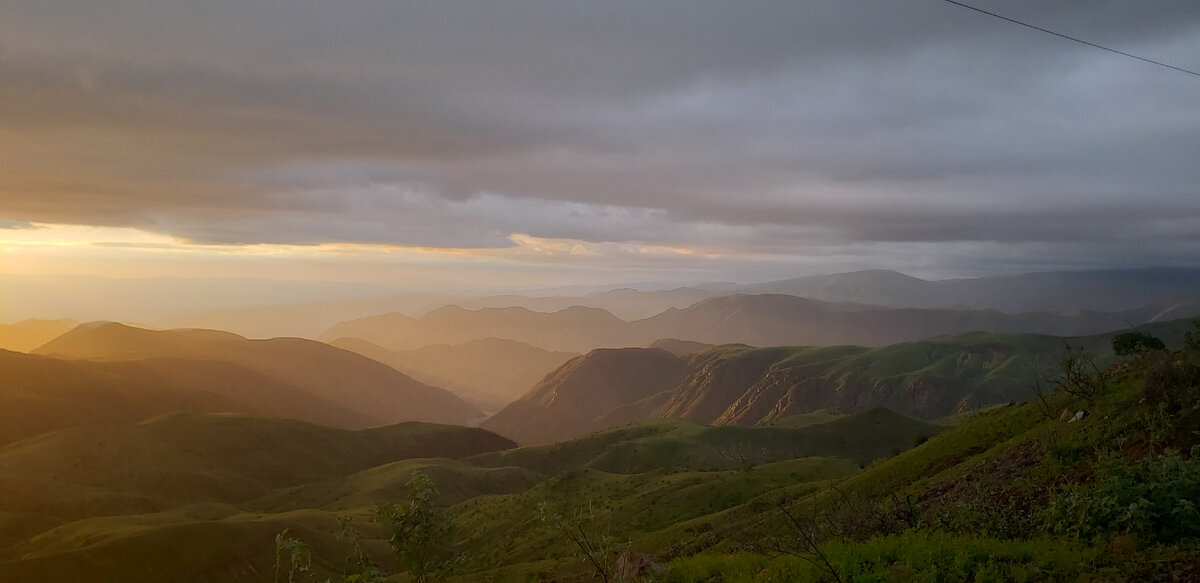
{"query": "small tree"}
pixel 421 531
pixel 359 567
pixel 802 536
pixel 296 553
pixel 1131 344
pixel 1079 375
pixel 594 546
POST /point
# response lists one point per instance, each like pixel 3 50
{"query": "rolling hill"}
pixel 118 502
pixel 328 377
pixel 222 486
pixel 190 458
pixel 41 394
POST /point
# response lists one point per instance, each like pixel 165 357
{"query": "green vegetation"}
pixel 1135 343
pixel 1010 495
pixel 1096 480
pixel 420 531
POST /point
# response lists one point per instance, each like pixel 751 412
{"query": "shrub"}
pixel 1131 344
pixel 421 532
pixel 1153 499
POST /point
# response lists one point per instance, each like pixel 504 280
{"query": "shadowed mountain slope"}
pixel 375 392
pixel 568 401
pixel 188 458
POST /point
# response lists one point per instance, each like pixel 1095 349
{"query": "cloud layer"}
pixel 785 131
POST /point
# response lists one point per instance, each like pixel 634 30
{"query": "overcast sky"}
pixel 686 140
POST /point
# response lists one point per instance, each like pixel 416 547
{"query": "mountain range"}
pixel 290 377
pixel 1112 290
pixel 1170 290
pixel 758 320
pixel 746 386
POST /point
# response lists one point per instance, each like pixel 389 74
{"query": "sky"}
pixel 449 144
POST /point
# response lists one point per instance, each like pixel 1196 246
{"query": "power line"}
pixel 1071 38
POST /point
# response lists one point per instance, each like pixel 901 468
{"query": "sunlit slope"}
pixel 375 392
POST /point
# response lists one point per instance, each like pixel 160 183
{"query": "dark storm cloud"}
pixel 765 127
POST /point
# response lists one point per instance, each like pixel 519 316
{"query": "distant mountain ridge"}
pixel 1101 291
pixel 1112 290
pixel 759 320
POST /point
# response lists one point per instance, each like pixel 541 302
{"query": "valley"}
pixel 133 454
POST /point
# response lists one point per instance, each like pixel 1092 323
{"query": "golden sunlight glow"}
pixel 126 252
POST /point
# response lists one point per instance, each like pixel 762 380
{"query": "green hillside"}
pixel 187 459
pixel 1015 492
pixel 219 485
pixel 744 385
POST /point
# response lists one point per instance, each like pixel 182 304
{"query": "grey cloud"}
pixel 761 126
